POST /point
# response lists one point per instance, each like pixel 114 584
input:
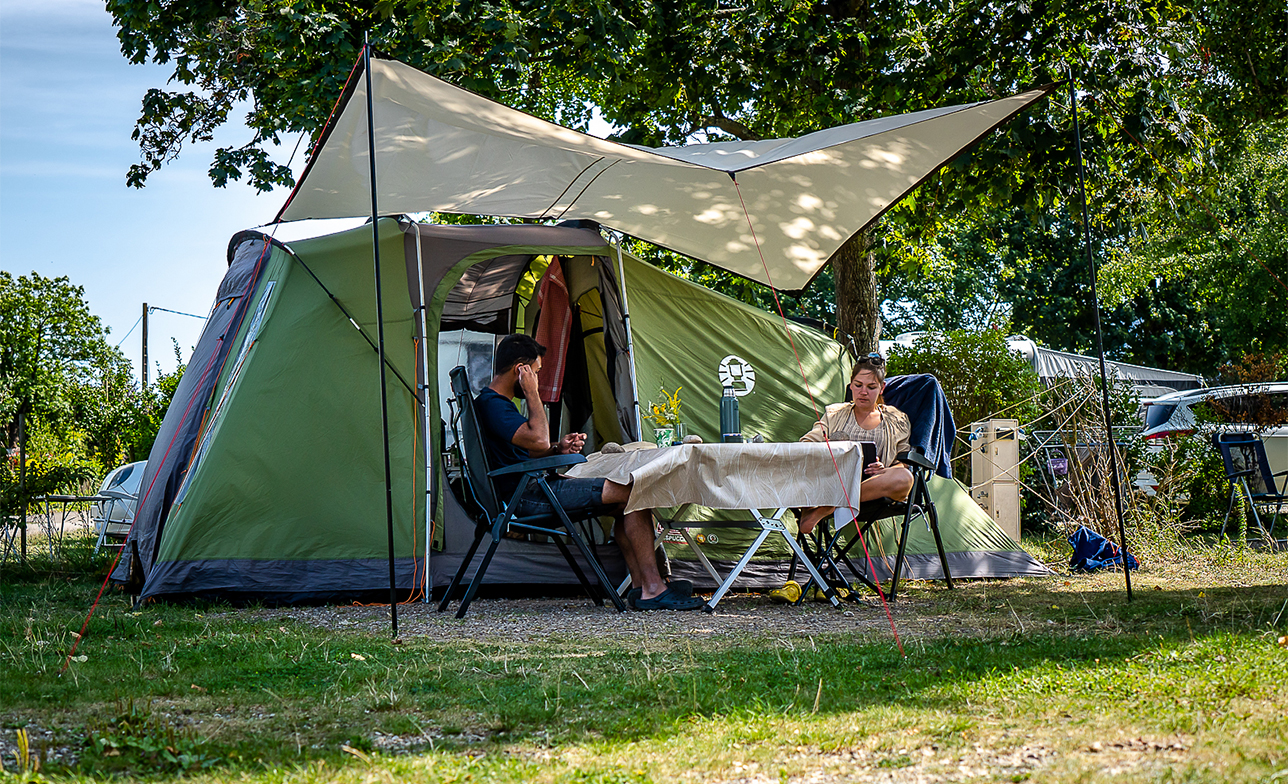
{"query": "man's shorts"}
pixel 573 494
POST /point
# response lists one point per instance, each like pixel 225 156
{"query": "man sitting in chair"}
pixel 509 438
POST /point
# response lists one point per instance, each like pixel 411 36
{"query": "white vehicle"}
pixel 112 518
pixel 1174 415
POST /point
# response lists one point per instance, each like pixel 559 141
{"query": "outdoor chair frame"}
pixel 108 529
pixel 498 520
pixel 828 552
pixel 1250 464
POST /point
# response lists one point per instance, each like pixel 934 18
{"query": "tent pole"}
pixel 380 332
pixel 1100 340
pixel 424 422
pixel 630 339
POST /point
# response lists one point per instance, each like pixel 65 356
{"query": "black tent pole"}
pixel 380 333
pixel 1100 340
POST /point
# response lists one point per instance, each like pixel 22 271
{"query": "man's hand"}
pixel 874 467
pixel 527 381
pixel 571 444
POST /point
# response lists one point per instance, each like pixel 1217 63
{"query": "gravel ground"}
pixel 738 616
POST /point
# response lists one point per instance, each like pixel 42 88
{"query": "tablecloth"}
pixel 734 476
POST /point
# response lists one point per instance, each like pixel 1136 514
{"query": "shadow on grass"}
pixel 272 691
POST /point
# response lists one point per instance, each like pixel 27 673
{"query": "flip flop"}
pixel 669 600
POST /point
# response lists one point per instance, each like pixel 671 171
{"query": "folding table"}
pixel 751 477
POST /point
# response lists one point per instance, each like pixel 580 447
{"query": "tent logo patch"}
pixel 738 373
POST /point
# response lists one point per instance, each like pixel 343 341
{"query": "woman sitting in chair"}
pixel 867 418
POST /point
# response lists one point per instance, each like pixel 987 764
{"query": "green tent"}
pixel 266 482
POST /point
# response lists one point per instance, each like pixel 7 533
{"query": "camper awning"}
pixel 445 149
pixel 1051 364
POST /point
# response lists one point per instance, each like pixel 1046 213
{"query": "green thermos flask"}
pixel 730 426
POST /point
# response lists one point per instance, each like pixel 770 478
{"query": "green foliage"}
pixel 1225 242
pixel 83 413
pixel 1205 490
pixel 1031 270
pixel 47 338
pixel 1165 83
pixel 53 467
pixel 981 377
pixel 120 420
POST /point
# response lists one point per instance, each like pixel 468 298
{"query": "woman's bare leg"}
pixel 811 517
pixel 894 482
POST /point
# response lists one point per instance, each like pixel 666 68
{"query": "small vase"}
pixel 663 436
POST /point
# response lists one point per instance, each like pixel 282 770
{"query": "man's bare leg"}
pixel 634 534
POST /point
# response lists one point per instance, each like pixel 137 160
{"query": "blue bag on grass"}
pixel 1091 551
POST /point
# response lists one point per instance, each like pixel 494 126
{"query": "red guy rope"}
pixel 800 366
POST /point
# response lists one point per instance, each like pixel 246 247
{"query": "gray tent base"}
pixel 243 581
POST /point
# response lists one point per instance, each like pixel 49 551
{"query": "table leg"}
pixel 710 606
pixel 796 548
pixel 711 570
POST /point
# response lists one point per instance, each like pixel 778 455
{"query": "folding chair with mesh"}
pixel 1250 478
pixel 498 519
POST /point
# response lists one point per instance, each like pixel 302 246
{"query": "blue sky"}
pixel 68 103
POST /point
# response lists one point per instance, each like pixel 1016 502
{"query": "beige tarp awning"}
pixel 445 149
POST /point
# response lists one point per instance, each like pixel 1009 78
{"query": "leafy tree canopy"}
pixel 48 338
pixel 83 413
pixel 1228 247
pixel 1030 271
pixel 1166 82
pixel 1159 70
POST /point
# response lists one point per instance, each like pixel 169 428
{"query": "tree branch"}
pixel 729 126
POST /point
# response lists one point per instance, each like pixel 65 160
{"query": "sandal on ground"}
pixel 669 600
pixel 633 596
pixel 790 593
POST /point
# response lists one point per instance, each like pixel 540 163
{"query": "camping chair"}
pixel 828 551
pixel 1248 471
pixel 497 520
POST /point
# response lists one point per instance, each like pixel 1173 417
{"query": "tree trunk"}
pixel 857 314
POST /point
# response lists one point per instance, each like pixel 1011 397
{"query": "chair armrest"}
pixel 1280 473
pixel 539 465
pixel 914 457
pixel 1244 472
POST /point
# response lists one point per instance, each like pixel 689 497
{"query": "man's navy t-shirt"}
pixel 499 420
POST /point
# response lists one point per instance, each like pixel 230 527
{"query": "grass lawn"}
pixel 1051 679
